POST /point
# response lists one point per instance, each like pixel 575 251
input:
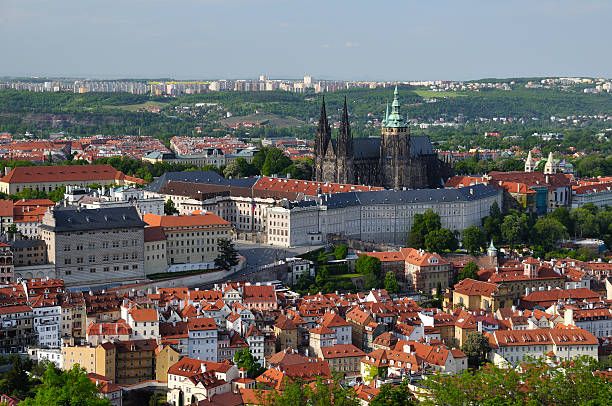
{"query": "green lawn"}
pixel 346 275
pixel 142 106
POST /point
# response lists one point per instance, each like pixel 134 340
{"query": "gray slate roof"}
pixel 205 177
pixel 72 219
pixel 340 200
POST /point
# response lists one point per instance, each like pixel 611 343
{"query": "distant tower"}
pixel 344 149
pixel 321 143
pixel 395 147
pixel 550 166
pixel 492 251
pixel 530 163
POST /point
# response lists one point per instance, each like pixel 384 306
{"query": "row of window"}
pixel 104 269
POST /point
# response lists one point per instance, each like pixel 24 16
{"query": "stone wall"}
pixel 483 261
pixel 359 245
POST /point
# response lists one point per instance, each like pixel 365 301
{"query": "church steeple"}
pixel 395 119
pixel 345 139
pixel 323 131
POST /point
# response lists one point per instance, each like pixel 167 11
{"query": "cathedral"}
pixel 396 160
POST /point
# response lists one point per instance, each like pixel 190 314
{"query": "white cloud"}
pixel 350 44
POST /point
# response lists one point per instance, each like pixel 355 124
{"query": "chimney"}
pixel 203 367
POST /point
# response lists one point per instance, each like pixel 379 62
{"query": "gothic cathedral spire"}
pixel 345 139
pixel 321 143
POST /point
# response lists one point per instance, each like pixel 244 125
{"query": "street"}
pixel 258 255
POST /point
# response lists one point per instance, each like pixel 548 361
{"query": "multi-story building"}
pixel 510 347
pixel 135 361
pixel 256 341
pixel 475 295
pixel 202 338
pixel 47 320
pixel 209 156
pixel 384 216
pixel 48 178
pixel 155 250
pixel 7 268
pixel 93 247
pixel 17 332
pixel 191 239
pixel 343 358
pixel 416 269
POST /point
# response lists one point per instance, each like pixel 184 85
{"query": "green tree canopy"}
pixel 476 347
pixel 469 271
pixel 394 395
pixel 536 383
pixel 69 388
pixel 423 224
pixel 391 284
pixel 514 228
pixel 228 256
pixel 328 392
pixel 474 239
pixel 366 264
pixel 547 232
pixel 440 240
pixel 341 251
pixel 244 359
pixel 169 208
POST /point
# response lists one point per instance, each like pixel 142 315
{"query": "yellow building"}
pixel 125 362
pixel 286 332
pixel 343 358
pixel 471 294
pixel 165 357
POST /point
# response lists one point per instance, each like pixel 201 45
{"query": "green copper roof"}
pixel 394 120
pixel 492 247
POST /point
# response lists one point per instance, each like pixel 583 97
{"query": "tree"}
pixel 423 224
pixel 244 359
pixel 391 284
pixel 371 281
pixel 68 388
pixel 474 239
pixel 514 228
pixel 341 251
pixel 324 392
pixel 440 240
pixel 547 232
pixel 538 382
pixel 476 347
pixel 16 381
pixel 228 256
pixel 563 216
pixel 169 208
pixel 394 395
pixel 12 229
pixel 469 271
pixel 366 264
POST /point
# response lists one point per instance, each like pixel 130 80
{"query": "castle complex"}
pixel 395 160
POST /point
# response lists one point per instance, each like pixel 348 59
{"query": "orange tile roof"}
pixel 143 314
pixel 473 287
pixel 341 351
pixel 6 208
pixel 307 187
pixel 262 293
pixel 333 320
pixel 207 219
pixel 64 173
pixel 201 323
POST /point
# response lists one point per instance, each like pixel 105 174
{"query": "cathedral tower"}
pixel 395 148
pixel 322 142
pixel 344 150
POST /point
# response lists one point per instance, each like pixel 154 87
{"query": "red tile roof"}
pixel 64 173
pixel 143 314
pixel 154 233
pixel 472 287
pixel 206 219
pixel 201 323
pixel 6 208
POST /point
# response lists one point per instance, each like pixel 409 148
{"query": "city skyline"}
pixel 341 40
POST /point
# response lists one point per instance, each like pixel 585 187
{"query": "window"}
pixel 92 270
pixel 79 247
pixel 92 258
pixel 105 244
pixel 67 261
pixel 66 247
pixel 105 258
pixel 91 246
pixel 115 244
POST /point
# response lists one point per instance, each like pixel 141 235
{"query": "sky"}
pixel 329 39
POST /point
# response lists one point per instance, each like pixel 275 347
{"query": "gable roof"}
pixel 77 219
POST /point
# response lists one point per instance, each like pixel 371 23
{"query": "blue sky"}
pixel 334 39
